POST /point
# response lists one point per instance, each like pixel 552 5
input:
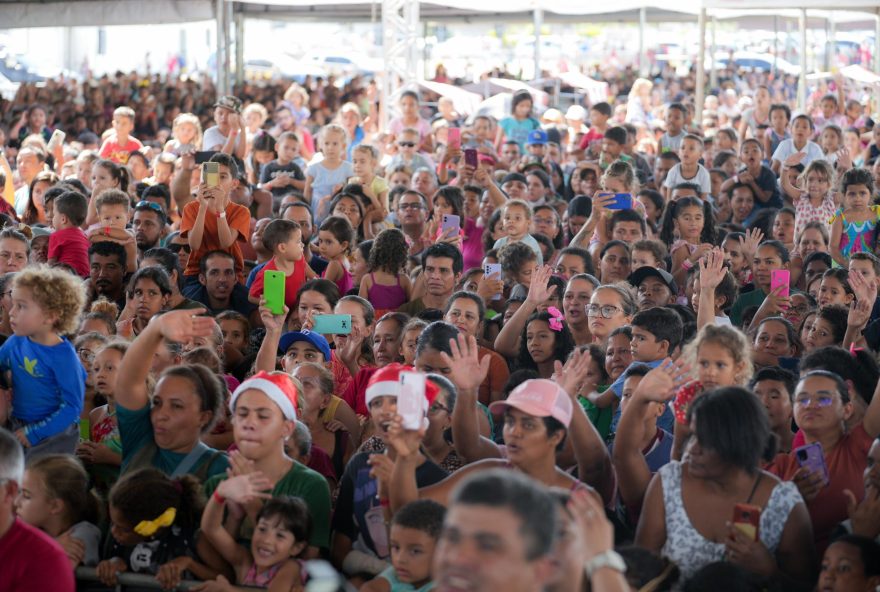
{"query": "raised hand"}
pixel 712 269
pixel 749 246
pixel 181 326
pixel 795 159
pixel 661 383
pixel 539 291
pixel 351 349
pixel 468 370
pixel 244 488
pixel 570 375
pixel 865 515
pixel 863 289
pixel 272 322
pixel 595 530
pixel 859 313
pixel 404 442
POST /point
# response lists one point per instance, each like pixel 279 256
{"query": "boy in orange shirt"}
pixel 213 222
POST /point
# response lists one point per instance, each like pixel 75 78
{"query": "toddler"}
pixel 517 217
pixel 324 178
pixel 68 244
pixel 284 239
pixel 113 207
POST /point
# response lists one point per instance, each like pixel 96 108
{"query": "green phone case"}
pixel 273 291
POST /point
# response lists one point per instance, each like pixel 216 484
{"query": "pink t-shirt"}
pixel 71 247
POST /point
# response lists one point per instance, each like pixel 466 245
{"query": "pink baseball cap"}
pixel 540 398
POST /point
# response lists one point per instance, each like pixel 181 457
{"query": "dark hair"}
pixel 866 256
pixel 602 107
pixel 655 247
pixel 672 211
pixel 155 274
pixel 733 423
pixel 857 176
pixel 821 256
pixel 563 343
pixel 520 96
pixel 203 262
pixel 722 576
pixel 209 387
pixel 787 378
pixel 340 228
pixel 869 551
pixel 444 250
pixel 859 366
pixel 487 239
pixel 475 298
pixel 388 251
pixel 158 191
pixel 663 323
pixel 836 315
pixel 839 384
pixel 841 275
pixel 293 514
pixel 728 288
pixel 454 197
pixel 645 567
pixel 793 338
pixel 227 161
pixel 108 249
pixel 354 193
pixel 74 205
pixel 169 260
pixel 628 216
pixel 436 336
pixel 513 256
pixel 583 254
pixel 616 134
pixel 781 107
pixel 117 172
pixel 147 493
pixel 326 288
pixel 278 231
pixel 149 207
pixel 637 369
pixel 779 247
pixel 423 515
pixel 534 508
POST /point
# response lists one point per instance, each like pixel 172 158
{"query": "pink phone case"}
pixel 780 277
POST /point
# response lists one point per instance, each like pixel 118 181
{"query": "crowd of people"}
pixel 633 351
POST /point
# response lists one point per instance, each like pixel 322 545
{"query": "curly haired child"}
pixel 387 287
pixel 48 379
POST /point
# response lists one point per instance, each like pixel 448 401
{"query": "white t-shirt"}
pixel 701 178
pixel 786 148
pixel 214 140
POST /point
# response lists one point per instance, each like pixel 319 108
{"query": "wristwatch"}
pixel 609 558
pixel 222 215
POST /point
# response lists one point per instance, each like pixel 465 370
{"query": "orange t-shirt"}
pixel 237 217
pixel 846 464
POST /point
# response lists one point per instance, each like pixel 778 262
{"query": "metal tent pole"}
pixel 802 82
pixel 701 69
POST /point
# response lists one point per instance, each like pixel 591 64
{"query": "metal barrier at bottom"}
pixel 87 581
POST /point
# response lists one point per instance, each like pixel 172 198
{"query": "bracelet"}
pixel 687 265
pixel 219 498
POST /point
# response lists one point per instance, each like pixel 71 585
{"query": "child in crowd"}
pixel 415 530
pixel 282 532
pixel 365 159
pixel 282 175
pixel 113 209
pixel 686 218
pixel 68 244
pixel 55 497
pixel 777 132
pixel 48 379
pixel 670 141
pixel 387 286
pixel 119 146
pixel 518 264
pixel 153 524
pixel 408 153
pixel 853 227
pixel 799 144
pixel 283 238
pixel 517 217
pixel 815 201
pixel 324 178
pixel 335 239
pixel 689 170
pixel 545 340
pixel 517 126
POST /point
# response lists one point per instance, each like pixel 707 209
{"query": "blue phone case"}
pixel 622 201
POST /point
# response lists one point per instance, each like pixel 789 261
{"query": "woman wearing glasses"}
pixel 821 406
pixel 610 307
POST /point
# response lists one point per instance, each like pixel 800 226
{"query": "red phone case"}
pixel 747 518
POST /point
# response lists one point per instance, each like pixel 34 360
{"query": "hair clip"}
pixel 149 527
pixel 556 318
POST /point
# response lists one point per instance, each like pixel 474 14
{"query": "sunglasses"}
pixel 150 205
pixel 175 248
pixel 406 144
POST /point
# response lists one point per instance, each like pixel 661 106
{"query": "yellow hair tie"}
pixel 149 527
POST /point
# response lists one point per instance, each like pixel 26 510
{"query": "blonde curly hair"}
pixel 56 292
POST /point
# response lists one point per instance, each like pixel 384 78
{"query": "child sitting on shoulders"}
pixel 516 218
pixel 415 529
pixel 68 244
pixel 113 208
pixel 48 378
pixel 284 239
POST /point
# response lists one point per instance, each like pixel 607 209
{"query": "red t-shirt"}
pixel 33 561
pixel 237 217
pixel 356 392
pixel 112 150
pixel 591 136
pixel 846 464
pixel 292 282
pixel 70 246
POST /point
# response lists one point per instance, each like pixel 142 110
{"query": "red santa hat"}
pixel 385 382
pixel 277 386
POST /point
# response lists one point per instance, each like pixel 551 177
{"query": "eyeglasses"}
pixel 407 144
pixel 543 220
pixel 86 355
pixel 437 408
pixel 607 311
pixel 4 294
pixel 177 248
pixel 311 382
pixel 150 204
pixel 410 206
pixel 820 401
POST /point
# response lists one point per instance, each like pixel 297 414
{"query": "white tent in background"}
pixel 464 101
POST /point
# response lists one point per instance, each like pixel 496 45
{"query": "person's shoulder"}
pixel 34 542
pixel 302 477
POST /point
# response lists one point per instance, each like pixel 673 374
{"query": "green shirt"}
pixel 136 430
pixel 300 481
pixel 754 298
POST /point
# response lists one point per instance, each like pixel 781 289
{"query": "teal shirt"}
pixel 136 430
pixel 398 586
